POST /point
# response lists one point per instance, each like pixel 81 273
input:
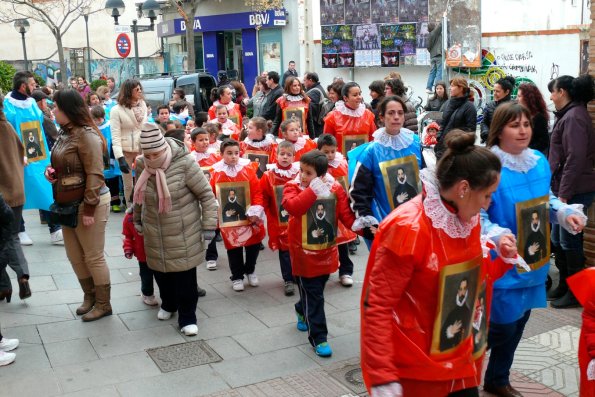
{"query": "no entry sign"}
pixel 123 45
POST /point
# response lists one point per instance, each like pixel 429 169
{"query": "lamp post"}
pixel 150 9
pixel 22 26
pixel 86 12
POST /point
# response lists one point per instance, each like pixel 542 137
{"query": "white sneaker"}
pixel 253 280
pixel 163 315
pixel 346 280
pixel 211 265
pixel 25 239
pixel 7 345
pixel 150 300
pixel 6 358
pixel 237 285
pixel 57 238
pixel 428 91
pixel 190 330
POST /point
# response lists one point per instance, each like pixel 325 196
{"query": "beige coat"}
pixel 125 130
pixel 174 240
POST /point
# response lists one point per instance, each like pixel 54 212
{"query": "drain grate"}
pixel 183 355
pixel 351 377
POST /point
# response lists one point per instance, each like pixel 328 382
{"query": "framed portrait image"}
pixel 479 325
pixel 533 231
pixel 297 115
pixel 350 142
pixel 33 141
pixel 343 181
pixel 282 214
pixel 458 287
pixel 261 158
pixel 401 179
pixel 207 172
pixel 235 118
pixel 234 199
pixel 319 224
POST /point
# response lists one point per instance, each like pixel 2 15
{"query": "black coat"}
pixel 269 109
pixel 435 104
pixel 458 113
pixel 488 113
pixel 6 220
pixel 540 140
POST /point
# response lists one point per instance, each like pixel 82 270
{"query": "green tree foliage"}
pixel 95 84
pixel 6 73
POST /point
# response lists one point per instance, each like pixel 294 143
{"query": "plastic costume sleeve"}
pixel 360 127
pixel 26 118
pixel 393 389
pixel 272 186
pixel 114 169
pixel 341 175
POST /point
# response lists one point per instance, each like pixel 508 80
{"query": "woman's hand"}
pixel 50 174
pixel 507 246
pixel 88 220
pixel 575 222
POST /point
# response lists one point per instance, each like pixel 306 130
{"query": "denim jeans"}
pixel 435 72
pixel 564 239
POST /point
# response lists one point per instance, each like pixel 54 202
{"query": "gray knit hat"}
pixel 151 139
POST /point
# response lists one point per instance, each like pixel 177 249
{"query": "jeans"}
pixel 16 256
pixel 435 72
pixel 146 279
pixel 285 263
pixel 564 239
pixel 345 263
pixel 503 340
pixel 179 293
pixel 128 179
pixel 45 215
pixel 311 306
pixel 237 265
pixel 114 188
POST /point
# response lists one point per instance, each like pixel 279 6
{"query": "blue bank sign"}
pixel 213 23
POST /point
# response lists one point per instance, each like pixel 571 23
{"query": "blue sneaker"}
pixel 301 323
pixel 323 350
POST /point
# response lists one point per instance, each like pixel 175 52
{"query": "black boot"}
pixel 562 288
pixel 575 261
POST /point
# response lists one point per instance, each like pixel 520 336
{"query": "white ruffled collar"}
pixel 230 105
pixel 299 144
pixel 20 103
pixel 106 123
pixel 337 161
pixel 294 98
pixel 231 170
pixel 440 216
pixel 329 181
pixel 201 156
pixel 401 141
pixel 343 109
pixel 523 162
pixel 266 142
pixel 288 173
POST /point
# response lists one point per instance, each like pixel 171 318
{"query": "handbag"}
pixel 65 214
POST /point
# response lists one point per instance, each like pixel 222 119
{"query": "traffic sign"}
pixel 122 29
pixel 123 45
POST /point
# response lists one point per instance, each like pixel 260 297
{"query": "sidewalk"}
pixel 250 346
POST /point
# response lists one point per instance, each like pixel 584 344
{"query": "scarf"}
pixel 155 167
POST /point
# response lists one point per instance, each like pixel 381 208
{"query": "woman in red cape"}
pixel 424 278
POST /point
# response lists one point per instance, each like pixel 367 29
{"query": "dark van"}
pixel 197 86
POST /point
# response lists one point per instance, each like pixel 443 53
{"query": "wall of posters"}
pixel 332 12
pixel 366 39
pixel 337 46
pixel 385 11
pixel 357 11
pixel 413 10
pixel 464 34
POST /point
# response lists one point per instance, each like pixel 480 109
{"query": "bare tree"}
pixel 187 10
pixel 57 15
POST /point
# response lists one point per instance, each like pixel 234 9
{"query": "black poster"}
pixel 385 11
pixel 357 12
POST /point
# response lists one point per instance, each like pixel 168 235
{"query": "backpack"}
pixel 319 118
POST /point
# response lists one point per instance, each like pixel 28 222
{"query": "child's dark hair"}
pixel 197 131
pixel 162 107
pixel 228 143
pixel 260 123
pixel 285 145
pixel 201 118
pixel 179 105
pixel 285 124
pixel 317 159
pixel 465 161
pixel 213 127
pixel 97 112
pixel 326 140
pixel 219 107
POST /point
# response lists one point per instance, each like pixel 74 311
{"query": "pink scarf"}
pixel 155 167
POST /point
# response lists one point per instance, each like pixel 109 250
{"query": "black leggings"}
pixel 471 392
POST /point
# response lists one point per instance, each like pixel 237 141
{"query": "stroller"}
pixel 427 151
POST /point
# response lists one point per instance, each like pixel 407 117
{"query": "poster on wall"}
pixel 413 10
pixel 332 12
pixel 464 34
pixel 422 57
pixel 366 40
pixel 422 35
pixel 357 11
pixel 271 56
pixel 385 11
pixel 330 60
pixel 399 38
pixel 435 10
pixel 390 59
pixel 338 40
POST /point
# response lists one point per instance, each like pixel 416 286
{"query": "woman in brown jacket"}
pixel 175 210
pixel 76 173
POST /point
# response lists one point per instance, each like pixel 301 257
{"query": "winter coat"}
pixel 133 242
pixel 174 240
pixel 572 152
pixel 458 113
pixel 12 174
pixel 269 109
pixel 284 103
pixel 410 118
pixel 488 113
pixel 6 223
pixel 125 129
pixel 346 124
pixel 435 104
pixel 540 139
pixel 435 41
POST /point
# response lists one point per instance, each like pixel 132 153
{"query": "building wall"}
pixel 589 239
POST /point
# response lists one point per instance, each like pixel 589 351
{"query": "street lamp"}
pixel 150 9
pixel 86 13
pixel 22 26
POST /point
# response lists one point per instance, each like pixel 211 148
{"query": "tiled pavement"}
pixel 253 334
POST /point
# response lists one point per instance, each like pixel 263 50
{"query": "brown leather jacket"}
pixel 78 159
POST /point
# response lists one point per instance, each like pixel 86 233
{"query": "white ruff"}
pixel 230 106
pixel 343 109
pixel 266 142
pixel 201 156
pixel 523 162
pixel 337 160
pixel 401 141
pixel 299 144
pixel 328 180
pixel 288 173
pixel 440 216
pixel 23 104
pixel 294 98
pixel 231 170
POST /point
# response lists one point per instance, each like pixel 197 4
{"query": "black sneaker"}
pixel 201 292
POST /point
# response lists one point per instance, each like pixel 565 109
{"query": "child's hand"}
pixel 254 219
pixel 128 254
pixel 507 246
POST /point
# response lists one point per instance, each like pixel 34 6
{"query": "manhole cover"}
pixel 184 355
pixel 351 377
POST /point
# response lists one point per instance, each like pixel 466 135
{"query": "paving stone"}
pixel 104 391
pixel 532 357
pixel 228 348
pixel 563 378
pixel 563 340
pixel 26 383
pixel 77 329
pixel 219 307
pixel 233 324
pixel 543 320
pixel 344 347
pixel 30 359
pixel 135 341
pixel 144 319
pixel 26 334
pixel 271 339
pixel 70 352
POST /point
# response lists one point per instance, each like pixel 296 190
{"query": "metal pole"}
pixel 89 78
pixel 445 70
pixel 134 30
pixel 24 49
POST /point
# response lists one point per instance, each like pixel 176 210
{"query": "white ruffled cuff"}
pixel 495 234
pixel 570 209
pixel 256 210
pixel 517 260
pixel 319 187
pixel 591 370
pixel 392 389
pixel 364 222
